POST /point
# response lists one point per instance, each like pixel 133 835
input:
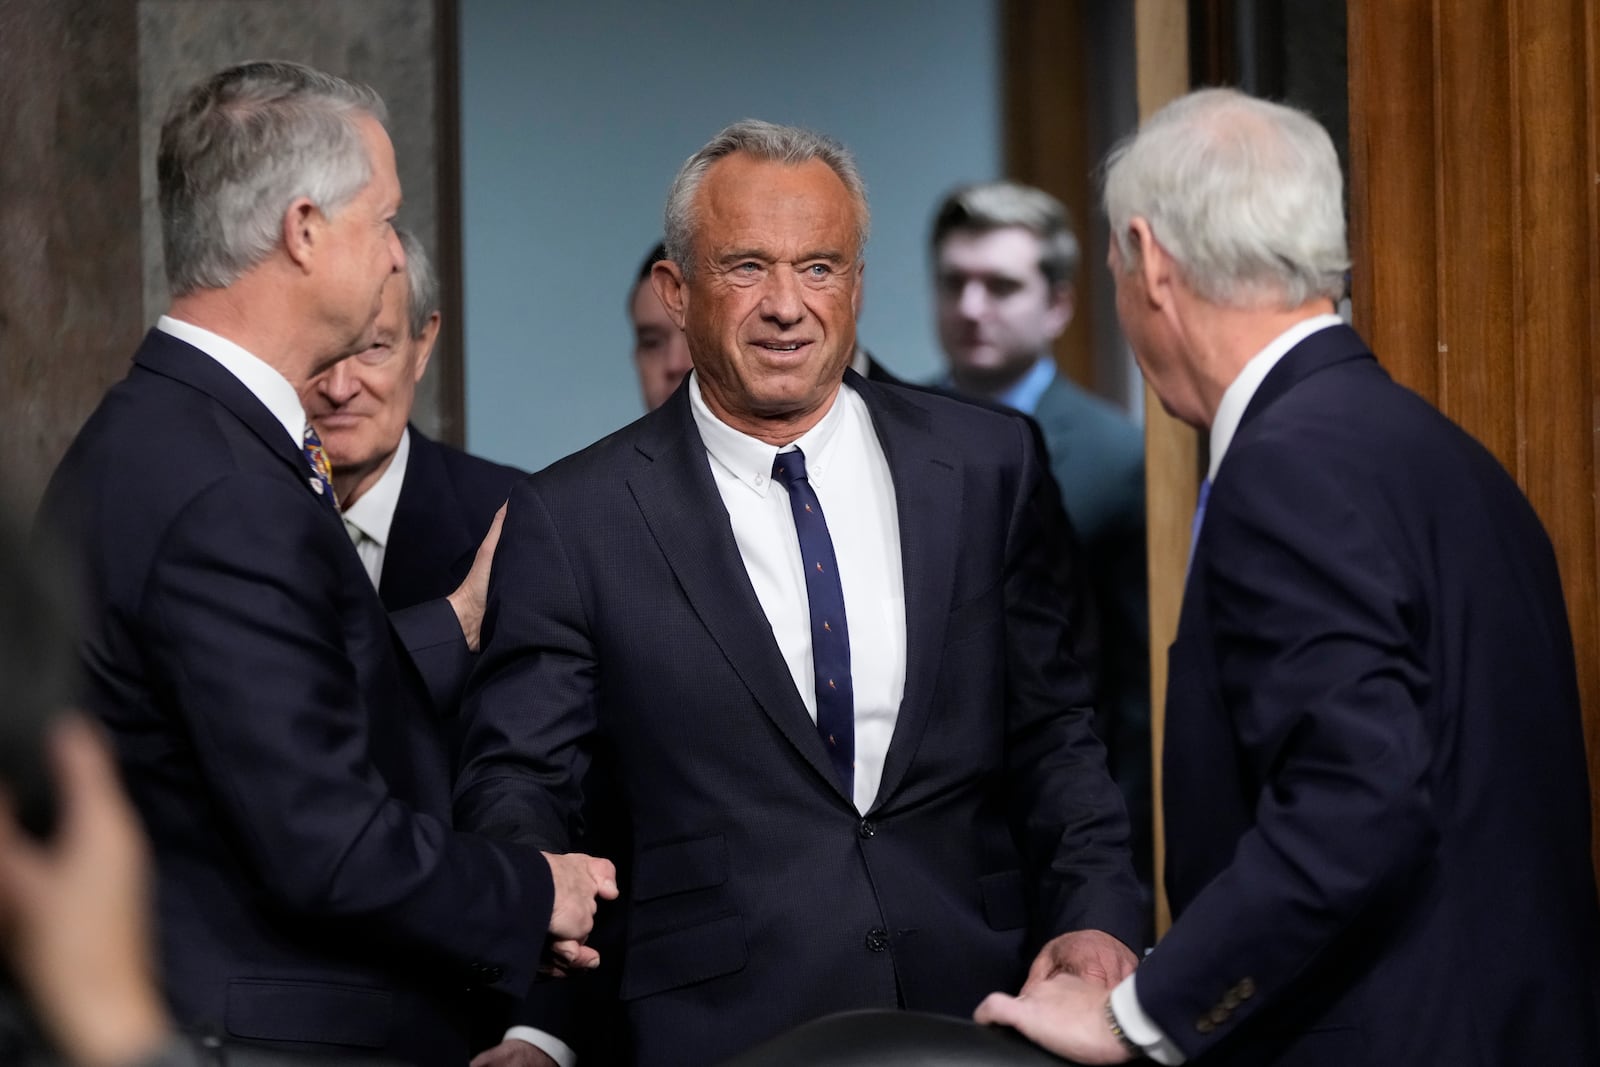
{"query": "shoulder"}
pixel 468 475
pixel 1067 409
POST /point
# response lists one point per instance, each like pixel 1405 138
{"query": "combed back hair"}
pixel 241 146
pixel 1244 194
pixel 422 284
pixel 1001 205
pixel 767 142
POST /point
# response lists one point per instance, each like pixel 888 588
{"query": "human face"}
pixel 360 405
pixel 660 350
pixel 997 312
pixel 362 251
pixel 770 306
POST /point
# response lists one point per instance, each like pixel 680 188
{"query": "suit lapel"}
pixel 681 505
pixel 429 534
pixel 163 354
pixel 928 504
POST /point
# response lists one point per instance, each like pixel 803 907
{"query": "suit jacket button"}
pixel 1205 1025
pixel 1219 1015
pixel 866 828
pixel 1246 988
pixel 877 940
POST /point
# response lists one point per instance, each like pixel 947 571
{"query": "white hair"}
pixel 239 148
pixel 768 142
pixel 1245 195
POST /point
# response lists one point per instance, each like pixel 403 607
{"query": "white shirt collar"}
pixel 1236 398
pixel 373 513
pixel 263 380
pixel 749 459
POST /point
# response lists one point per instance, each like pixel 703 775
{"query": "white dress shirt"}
pixel 847 469
pixel 368 520
pixel 1140 1028
pixel 263 380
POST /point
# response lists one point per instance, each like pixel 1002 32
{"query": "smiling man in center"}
pixel 821 622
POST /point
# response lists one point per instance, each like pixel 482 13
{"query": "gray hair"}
pixel 422 284
pixel 238 148
pixel 1002 204
pixel 764 141
pixel 1245 195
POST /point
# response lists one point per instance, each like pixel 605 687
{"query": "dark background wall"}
pixel 83 87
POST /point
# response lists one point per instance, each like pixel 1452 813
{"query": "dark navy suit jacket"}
pixel 278 741
pixel 759 897
pixel 1097 458
pixel 1376 807
pixel 447 501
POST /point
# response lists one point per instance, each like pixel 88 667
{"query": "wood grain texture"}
pixel 1475 215
pixel 1046 139
pixel 1172 450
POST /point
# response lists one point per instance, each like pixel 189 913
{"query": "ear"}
pixel 302 230
pixel 1063 301
pixel 1154 266
pixel 425 342
pixel 671 289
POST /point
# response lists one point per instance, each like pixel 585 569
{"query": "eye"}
pixel 375 354
pixel 818 271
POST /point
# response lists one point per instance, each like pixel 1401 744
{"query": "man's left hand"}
pixel 1089 954
pixel 1064 1014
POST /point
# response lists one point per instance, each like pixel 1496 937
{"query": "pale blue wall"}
pixel 576 115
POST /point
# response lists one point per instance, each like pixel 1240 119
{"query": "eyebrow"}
pixel 809 257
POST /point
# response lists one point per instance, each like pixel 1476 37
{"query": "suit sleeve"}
pixel 432 637
pixel 247 632
pixel 530 707
pixel 1321 682
pixel 1067 811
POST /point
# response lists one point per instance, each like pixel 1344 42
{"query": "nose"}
pixel 397 252
pixel 780 299
pixel 973 299
pixel 338 383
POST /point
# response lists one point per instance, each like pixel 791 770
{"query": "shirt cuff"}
pixel 549 1044
pixel 1139 1027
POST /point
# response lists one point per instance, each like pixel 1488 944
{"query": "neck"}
pixel 990 382
pixel 1224 339
pixel 351 483
pixel 264 318
pixel 779 430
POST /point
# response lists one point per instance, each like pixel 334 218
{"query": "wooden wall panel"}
pixel 1172 449
pixel 1047 143
pixel 1475 218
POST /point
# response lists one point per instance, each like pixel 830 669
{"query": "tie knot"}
pixel 790 466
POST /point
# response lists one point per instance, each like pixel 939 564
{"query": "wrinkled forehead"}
pixel 803 205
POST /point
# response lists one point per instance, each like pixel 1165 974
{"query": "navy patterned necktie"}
pixel 830 636
pixel 321 469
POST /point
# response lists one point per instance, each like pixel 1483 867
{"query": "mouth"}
pixel 342 420
pixel 782 350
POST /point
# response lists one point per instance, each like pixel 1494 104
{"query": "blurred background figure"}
pixel 660 351
pixel 1004 262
